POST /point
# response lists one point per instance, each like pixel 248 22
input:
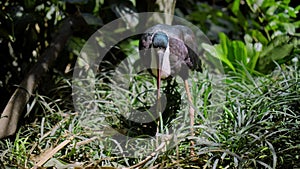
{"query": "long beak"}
pixel 159 68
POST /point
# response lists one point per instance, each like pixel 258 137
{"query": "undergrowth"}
pixel 254 124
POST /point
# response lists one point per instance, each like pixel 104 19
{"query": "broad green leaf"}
pixel 235 7
pixel 289 28
pixel 278 41
pixel 227 46
pixel 258 36
pixel 280 52
pixel 277 50
pixel 223 57
pixel 267 4
pixel 297 23
pixel 217 52
pixel 223 42
pixel 240 51
pixel 252 61
pixel 253 51
pixel 297 8
pixel 271 10
pixel 292 12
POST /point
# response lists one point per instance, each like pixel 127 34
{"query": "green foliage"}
pixel 239 56
pixel 281 49
pixel 271 18
pixel 266 34
pixel 258 127
pixel 256 117
pixel 232 53
pixel 255 126
pixel 212 20
pixel 277 17
pixel 258 124
pixel 17 150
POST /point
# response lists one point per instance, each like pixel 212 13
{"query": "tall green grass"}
pixel 254 124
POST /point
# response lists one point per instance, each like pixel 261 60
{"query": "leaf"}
pixel 240 51
pixel 253 61
pixel 223 42
pixel 29 4
pixel 77 1
pixel 217 52
pixel 91 19
pixel 276 43
pixel 226 47
pixel 272 10
pixel 258 36
pixel 252 53
pixel 289 28
pixel 277 50
pixel 236 7
pixel 75 45
pixel 273 152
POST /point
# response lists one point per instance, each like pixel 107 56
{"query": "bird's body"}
pixel 167 51
pixel 177 47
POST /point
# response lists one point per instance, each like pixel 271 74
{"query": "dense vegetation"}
pixel 255 124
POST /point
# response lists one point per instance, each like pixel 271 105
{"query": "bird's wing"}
pixel 188 37
pixel 190 42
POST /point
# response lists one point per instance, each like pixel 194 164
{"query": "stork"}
pixel 168 51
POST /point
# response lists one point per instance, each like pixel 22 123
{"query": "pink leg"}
pixel 191 114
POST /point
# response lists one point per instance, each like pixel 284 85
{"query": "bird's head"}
pixel 160 40
pixel 160 53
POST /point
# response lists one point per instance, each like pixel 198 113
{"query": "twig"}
pixel 50 154
pixel 78 144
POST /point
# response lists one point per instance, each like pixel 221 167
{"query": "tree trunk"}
pixel 14 108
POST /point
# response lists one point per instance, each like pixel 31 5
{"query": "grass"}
pixel 244 123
